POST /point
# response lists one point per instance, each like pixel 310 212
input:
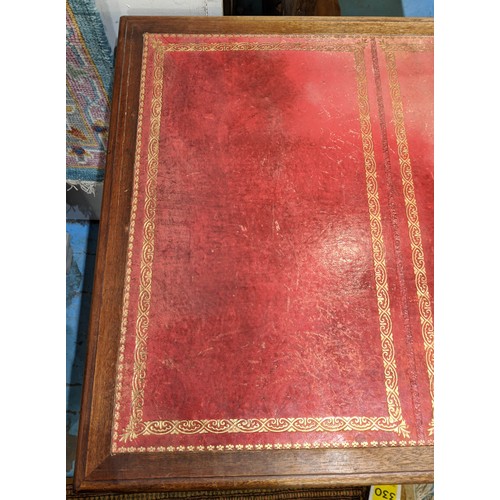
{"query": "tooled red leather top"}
pixel 280 264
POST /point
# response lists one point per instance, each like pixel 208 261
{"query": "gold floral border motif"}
pixel 422 289
pixel 133 214
pixel 136 427
pixel 274 446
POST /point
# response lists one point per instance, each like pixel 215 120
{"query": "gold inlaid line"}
pixel 422 289
pixel 136 426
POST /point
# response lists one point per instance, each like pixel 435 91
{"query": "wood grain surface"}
pixel 96 468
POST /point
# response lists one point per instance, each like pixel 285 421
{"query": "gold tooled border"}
pixel 133 214
pixel 422 289
pixel 135 428
pixel 147 253
pixel 275 446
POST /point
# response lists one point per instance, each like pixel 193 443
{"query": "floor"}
pixel 79 278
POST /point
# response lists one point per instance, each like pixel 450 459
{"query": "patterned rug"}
pixel 89 71
pixel 345 493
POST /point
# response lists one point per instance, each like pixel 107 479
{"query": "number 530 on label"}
pixel 385 492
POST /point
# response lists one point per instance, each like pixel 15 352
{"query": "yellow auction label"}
pixel 385 492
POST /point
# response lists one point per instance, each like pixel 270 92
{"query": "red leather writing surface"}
pixel 280 263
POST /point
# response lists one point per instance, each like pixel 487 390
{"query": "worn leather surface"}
pixel 281 245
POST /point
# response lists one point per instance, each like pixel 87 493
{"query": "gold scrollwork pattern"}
pixel 130 246
pixel 253 46
pixel 378 248
pixel 422 289
pixel 146 266
pixel 256 425
pixel 136 426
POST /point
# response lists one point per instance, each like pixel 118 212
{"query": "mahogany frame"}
pixel 96 468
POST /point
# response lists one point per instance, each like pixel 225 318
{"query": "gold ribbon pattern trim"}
pixel 146 266
pixel 422 289
pixel 136 426
pixel 256 425
pixel 251 46
pixel 378 249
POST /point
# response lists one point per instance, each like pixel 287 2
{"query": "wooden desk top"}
pixel 262 306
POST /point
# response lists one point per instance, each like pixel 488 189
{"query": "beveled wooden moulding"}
pixel 96 468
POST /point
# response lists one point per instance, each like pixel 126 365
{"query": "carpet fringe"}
pixel 88 187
